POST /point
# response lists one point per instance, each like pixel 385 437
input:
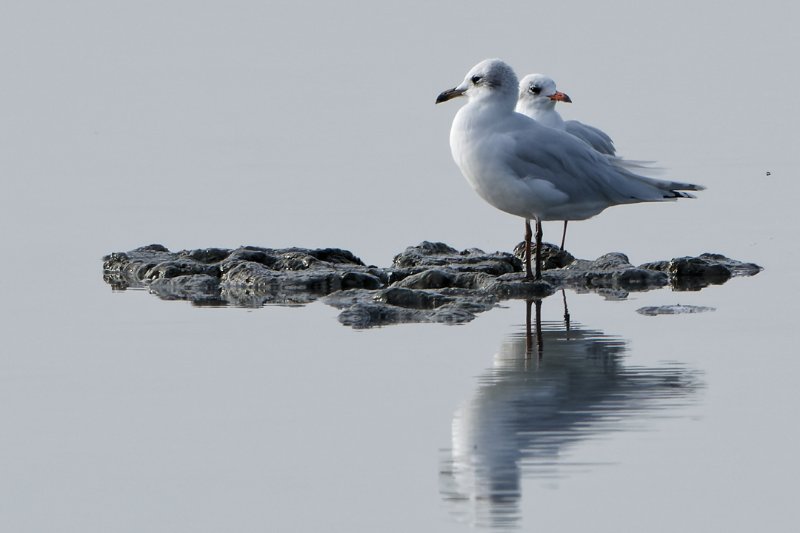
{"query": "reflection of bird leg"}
pixel 528 335
pixel 529 329
pixel 539 341
pixel 564 235
pixel 566 310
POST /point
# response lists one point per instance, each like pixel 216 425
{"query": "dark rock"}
pixel 180 267
pixel 363 309
pixel 695 273
pixel 552 256
pixel 673 310
pixel 206 255
pixel 361 280
pixel 696 266
pixel 336 255
pixel 428 255
pixel 152 248
pixel 249 253
pixel 129 269
pixel 611 261
pixel 197 288
pixel 301 279
pixel 431 282
pixel 515 286
pixel 639 278
pixel 434 278
pixel 411 298
pixel 610 271
pixel 737 268
pixel 422 254
pixel 247 276
pixel 439 278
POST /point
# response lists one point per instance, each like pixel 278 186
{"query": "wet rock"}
pixel 676 309
pixel 123 270
pixel 206 255
pixel 440 278
pixel 202 287
pixel 515 286
pixel 411 299
pixel 431 282
pixel 737 268
pixel 552 256
pixel 434 278
pixel 695 273
pixel 395 305
pixel 610 271
pixel 247 276
pixel 430 255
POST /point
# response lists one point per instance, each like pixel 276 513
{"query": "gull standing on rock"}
pixel 537 99
pixel 532 171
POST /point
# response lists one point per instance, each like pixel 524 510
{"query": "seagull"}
pixel 537 99
pixel 529 170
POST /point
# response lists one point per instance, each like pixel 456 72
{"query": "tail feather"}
pixel 635 165
pixel 672 189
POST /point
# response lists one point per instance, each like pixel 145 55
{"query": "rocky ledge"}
pixel 431 282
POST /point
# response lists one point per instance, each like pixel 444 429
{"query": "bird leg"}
pixel 538 249
pixel 528 235
pixel 564 235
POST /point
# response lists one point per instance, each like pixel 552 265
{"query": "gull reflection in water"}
pixel 551 386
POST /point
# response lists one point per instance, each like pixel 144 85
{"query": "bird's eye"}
pixel 535 89
pixel 476 79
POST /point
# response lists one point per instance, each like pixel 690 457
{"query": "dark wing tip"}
pixel 679 194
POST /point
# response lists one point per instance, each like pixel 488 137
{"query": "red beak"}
pixel 558 96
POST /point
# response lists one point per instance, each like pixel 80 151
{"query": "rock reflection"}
pixel 551 386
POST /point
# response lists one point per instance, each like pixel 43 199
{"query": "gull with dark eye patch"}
pixel 537 99
pixel 533 171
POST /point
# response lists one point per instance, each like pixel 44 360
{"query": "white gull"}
pixel 537 99
pixel 532 171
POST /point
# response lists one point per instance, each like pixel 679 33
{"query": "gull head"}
pixel 539 91
pixel 490 80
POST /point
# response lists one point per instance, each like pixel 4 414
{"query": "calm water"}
pixel 278 125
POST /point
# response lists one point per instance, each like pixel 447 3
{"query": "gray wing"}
pixel 596 138
pixel 584 174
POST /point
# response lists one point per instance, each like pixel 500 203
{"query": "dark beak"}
pixel 558 96
pixel 449 94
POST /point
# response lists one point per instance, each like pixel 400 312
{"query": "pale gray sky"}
pixel 203 124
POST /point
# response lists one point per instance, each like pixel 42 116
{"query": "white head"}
pixel 489 80
pixel 539 91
